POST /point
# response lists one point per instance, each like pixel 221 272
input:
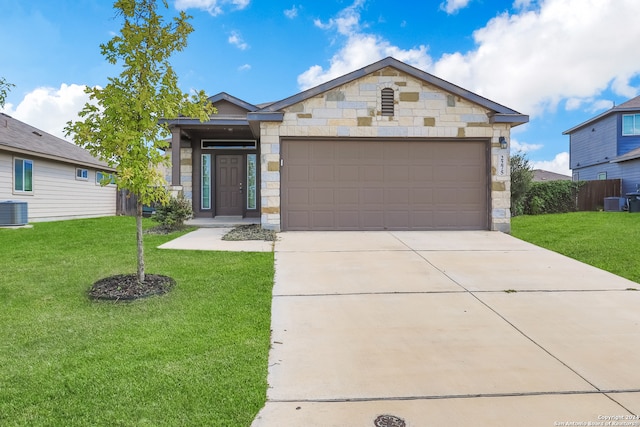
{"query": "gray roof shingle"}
pixel 19 137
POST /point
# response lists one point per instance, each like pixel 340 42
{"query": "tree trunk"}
pixel 139 241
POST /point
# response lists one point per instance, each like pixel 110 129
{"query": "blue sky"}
pixel 560 61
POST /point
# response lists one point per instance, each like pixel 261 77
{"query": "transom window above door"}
pixel 231 144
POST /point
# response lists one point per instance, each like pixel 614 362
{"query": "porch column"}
pixel 175 157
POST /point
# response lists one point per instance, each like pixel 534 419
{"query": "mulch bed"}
pixel 125 287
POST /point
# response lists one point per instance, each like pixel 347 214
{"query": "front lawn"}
pixel 196 356
pixel 607 240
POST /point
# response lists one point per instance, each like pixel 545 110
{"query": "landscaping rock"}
pixel 250 232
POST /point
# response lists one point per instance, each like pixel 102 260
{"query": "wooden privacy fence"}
pixel 125 203
pixel 591 194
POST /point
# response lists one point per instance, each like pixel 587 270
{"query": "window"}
pixel 205 202
pixel 23 175
pixel 82 174
pixel 104 178
pixel 251 180
pixel 387 96
pixel 225 144
pixel 631 124
pixel 602 175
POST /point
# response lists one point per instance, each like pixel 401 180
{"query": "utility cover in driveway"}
pixel 374 184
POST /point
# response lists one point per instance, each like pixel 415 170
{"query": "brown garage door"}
pixel 384 185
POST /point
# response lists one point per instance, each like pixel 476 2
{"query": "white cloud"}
pixel 522 4
pixel 214 7
pixel 245 67
pixel 600 105
pixel 359 50
pixel 291 13
pixel 453 6
pixel 236 39
pixel 559 164
pixel 347 22
pixel 588 104
pixel 532 60
pixel 49 109
pixel 523 147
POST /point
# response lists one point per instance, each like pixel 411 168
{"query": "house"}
pixel 386 147
pixel 608 146
pixel 57 179
pixel 540 175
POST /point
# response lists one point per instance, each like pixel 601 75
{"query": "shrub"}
pixel 521 176
pixel 173 215
pixel 551 197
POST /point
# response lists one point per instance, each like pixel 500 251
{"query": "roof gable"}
pixel 19 137
pixel 500 112
pixel 223 96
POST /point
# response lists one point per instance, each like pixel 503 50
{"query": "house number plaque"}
pixel 502 164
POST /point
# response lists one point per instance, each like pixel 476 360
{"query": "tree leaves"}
pixel 120 124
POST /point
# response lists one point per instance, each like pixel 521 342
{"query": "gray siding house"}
pixel 386 147
pixel 57 179
pixel 608 146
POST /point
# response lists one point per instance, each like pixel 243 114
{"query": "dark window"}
pixel 22 175
pixel 387 101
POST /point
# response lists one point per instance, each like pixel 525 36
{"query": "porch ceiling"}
pixel 222 132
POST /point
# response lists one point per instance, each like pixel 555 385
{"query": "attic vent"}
pixel 387 96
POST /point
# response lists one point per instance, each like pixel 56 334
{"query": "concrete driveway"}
pixel 447 329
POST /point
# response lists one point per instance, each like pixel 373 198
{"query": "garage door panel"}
pixel 298 220
pixel 347 173
pixel 372 173
pixel 372 196
pixel 347 220
pixel 322 220
pixel 300 195
pixel 378 184
pixel 396 173
pixel 372 220
pixel 322 196
pixel 299 173
pixel 422 219
pixel 348 197
pixel 396 196
pixel 423 173
pixel 321 173
pixel 422 196
pixel 397 219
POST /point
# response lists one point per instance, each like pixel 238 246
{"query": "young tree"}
pixel 521 177
pixel 121 123
pixel 5 87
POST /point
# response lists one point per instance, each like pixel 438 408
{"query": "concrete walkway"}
pixel 210 239
pixel 447 329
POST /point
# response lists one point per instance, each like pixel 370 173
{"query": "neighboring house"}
pixel 608 146
pixel 540 175
pixel 386 147
pixel 57 179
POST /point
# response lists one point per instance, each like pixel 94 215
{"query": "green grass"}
pixel 607 240
pixel 196 356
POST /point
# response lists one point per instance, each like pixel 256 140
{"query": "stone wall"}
pixel 186 172
pixel 354 110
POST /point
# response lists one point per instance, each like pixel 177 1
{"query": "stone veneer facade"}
pixel 354 110
pixel 186 173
